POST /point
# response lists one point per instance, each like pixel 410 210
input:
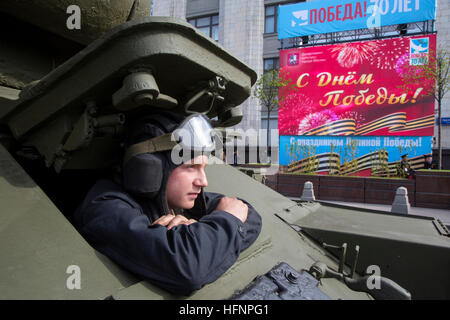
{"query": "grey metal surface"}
pixel 282 282
pixel 371 223
pixel 38 244
pixel 408 249
pixel 179 56
pixel 441 214
pixel 8 99
pixel 56 116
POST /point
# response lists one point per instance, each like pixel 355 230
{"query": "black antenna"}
pixel 133 9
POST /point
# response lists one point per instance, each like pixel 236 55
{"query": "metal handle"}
pixel 343 249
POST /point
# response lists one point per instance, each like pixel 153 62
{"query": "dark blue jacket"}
pixel 179 260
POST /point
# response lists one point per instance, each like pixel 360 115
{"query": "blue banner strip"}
pixel 308 18
pixel 293 148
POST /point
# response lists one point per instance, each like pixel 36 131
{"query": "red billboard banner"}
pixel 356 89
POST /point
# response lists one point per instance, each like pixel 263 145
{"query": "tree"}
pixel 434 75
pixel 267 88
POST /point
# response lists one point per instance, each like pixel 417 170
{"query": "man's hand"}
pixel 235 207
pixel 170 220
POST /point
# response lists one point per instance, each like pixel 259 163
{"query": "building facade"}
pixel 442 27
pixel 248 29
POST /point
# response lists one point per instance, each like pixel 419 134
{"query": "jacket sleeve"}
pixel 252 226
pixel 179 260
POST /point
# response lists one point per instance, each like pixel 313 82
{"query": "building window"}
pixel 209 25
pixel 271 19
pixel 271 63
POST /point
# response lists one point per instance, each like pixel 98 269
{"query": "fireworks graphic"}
pixel 402 65
pixel 291 111
pixel 386 56
pixel 317 119
pixel 350 54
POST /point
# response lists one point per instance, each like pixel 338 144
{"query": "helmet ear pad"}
pixel 143 174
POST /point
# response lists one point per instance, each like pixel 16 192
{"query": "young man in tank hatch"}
pixel 158 223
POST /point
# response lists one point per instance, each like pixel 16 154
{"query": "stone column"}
pixel 401 202
pixel 241 28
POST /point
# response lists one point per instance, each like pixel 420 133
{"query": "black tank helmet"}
pixel 156 144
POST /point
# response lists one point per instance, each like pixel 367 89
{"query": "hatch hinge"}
pixel 440 226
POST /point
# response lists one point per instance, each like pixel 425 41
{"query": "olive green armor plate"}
pixel 149 63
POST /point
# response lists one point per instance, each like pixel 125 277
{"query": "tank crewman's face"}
pixel 186 182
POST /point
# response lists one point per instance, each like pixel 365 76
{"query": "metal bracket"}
pixel 343 249
pixel 388 289
pixel 213 91
pixel 84 130
pixel 139 88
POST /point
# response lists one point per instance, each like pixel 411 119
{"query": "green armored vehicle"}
pixel 60 134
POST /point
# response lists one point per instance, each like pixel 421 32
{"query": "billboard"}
pixel 315 17
pixel 355 89
pixel 362 156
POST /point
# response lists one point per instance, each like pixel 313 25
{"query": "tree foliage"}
pixel 267 88
pixel 434 77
